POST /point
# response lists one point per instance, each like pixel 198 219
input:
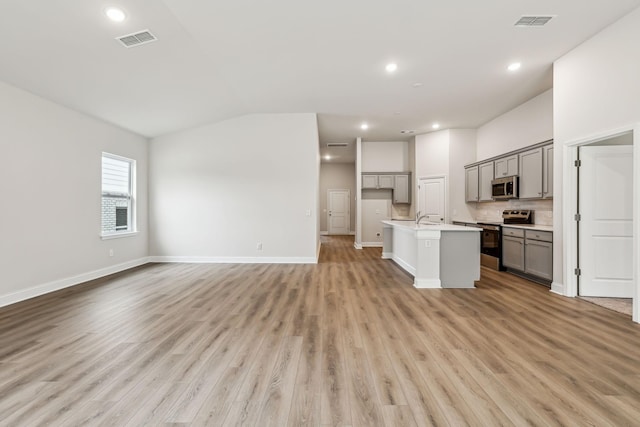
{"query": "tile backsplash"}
pixel 492 211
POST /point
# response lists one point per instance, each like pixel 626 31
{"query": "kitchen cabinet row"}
pixel 528 251
pixel 533 166
pixel 399 183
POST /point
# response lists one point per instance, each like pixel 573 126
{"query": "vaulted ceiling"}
pixel 214 60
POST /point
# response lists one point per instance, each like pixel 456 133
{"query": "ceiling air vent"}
pixel 337 144
pixel 533 21
pixel 136 39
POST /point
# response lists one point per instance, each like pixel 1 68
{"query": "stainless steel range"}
pixel 491 236
pixel 517 216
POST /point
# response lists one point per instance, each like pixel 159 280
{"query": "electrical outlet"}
pixel 378 234
pixel 110 252
pixel 259 246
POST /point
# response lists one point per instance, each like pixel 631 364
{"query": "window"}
pixel 118 175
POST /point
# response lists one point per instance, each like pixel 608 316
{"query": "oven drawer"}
pixel 513 232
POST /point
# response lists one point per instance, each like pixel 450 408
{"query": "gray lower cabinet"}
pixel 538 254
pixel 513 250
pixel 528 251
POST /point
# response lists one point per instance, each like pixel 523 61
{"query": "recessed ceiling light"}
pixel 115 14
pixel 364 126
pixel 327 157
pixel 514 67
pixel 408 131
pixel 435 126
pixel 391 67
pixel 417 85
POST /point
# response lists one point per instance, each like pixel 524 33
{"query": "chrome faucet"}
pixel 419 217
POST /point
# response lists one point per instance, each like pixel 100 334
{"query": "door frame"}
pixel 446 193
pixel 570 205
pixel 329 208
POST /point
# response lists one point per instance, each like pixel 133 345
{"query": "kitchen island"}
pixel 436 255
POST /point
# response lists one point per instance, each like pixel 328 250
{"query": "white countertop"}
pixel 538 227
pixel 411 225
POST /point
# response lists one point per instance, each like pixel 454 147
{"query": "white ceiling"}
pixel 218 59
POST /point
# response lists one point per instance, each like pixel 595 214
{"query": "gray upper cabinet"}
pixel 369 181
pixel 485 176
pixel 506 166
pixel 402 189
pixel 399 183
pixel 530 186
pixel 471 184
pixel 533 165
pixel 547 172
pixel 386 181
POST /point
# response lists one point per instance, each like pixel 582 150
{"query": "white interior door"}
pixel 339 211
pixel 606 223
pixel 432 198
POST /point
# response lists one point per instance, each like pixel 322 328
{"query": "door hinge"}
pixel 577 272
pixel 577 163
pixel 577 217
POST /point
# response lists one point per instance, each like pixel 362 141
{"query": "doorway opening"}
pixel 603 235
pixel 432 199
pixel 339 212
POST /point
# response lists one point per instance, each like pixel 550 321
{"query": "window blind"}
pixel 116 176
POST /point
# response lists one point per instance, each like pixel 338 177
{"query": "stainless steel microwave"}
pixel 504 188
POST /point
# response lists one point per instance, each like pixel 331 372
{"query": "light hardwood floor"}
pixel 346 342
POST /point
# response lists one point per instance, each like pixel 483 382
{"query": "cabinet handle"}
pixel 504 173
pixel 540 193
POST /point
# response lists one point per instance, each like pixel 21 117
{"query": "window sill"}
pixel 118 235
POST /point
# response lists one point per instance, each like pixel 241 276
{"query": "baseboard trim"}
pixel 427 284
pixel 557 288
pixel 233 260
pixel 387 255
pixel 324 233
pixel 371 244
pixel 318 251
pixel 68 282
pixel 404 265
pixel 357 245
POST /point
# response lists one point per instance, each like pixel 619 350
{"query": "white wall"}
pixel 51 197
pixel 432 154
pixel 596 91
pixel 218 190
pixel 446 153
pixel 337 176
pixel 528 124
pixel 597 83
pixel 462 151
pixel 385 156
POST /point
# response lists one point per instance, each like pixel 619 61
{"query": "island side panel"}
pixel 459 259
pixel 427 274
pixel 404 249
pixel 387 241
